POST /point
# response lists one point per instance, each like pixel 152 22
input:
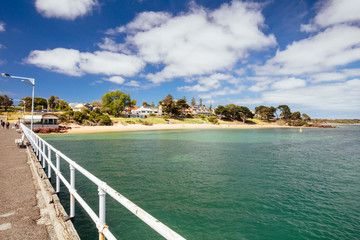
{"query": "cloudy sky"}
pixel 302 53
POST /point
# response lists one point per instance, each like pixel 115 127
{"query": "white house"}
pixel 77 107
pixel 42 121
pixel 143 112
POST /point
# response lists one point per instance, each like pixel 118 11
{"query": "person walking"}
pixel 2 123
pixel 7 124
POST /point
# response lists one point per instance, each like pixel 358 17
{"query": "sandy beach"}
pixel 139 127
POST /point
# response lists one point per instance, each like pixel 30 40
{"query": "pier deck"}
pixel 20 216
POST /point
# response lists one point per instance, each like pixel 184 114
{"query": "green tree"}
pixel 53 101
pixel 285 112
pixel 63 106
pixel 40 103
pixel 28 102
pixel 306 117
pixel 296 115
pixel 5 101
pixel 220 110
pixel 200 102
pixel 184 97
pixel 146 105
pixel 193 101
pixel 265 112
pixel 169 106
pixel 245 113
pixel 182 104
pixel 114 103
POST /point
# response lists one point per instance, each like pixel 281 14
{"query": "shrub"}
pixel 213 119
pixel 166 117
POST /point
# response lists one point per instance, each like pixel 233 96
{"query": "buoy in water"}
pixel 300 130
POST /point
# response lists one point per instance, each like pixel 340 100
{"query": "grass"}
pixel 158 120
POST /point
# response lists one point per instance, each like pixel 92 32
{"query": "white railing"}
pixel 44 151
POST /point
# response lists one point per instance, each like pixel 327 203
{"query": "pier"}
pixel 29 208
pixel 46 210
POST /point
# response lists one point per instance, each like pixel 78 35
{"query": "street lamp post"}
pixel 23 111
pixel 30 81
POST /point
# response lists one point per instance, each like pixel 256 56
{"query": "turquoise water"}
pixel 224 184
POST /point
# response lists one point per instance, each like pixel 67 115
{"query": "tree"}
pixel 5 101
pixel 53 102
pixel 184 97
pixel 306 117
pixel 193 101
pixel 285 111
pixel 182 104
pixel 152 104
pixel 245 113
pixel 296 115
pixel 63 106
pixel 169 106
pixel 28 102
pixel 265 112
pixel 146 105
pixel 220 110
pixel 200 102
pixel 114 103
pixel 40 103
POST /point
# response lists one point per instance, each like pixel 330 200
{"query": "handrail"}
pixel 43 151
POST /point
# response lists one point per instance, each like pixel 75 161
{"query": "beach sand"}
pixel 139 127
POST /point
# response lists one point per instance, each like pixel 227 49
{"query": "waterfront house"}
pixel 41 121
pixel 143 112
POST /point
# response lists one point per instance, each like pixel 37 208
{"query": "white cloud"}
pixel 146 21
pixel 209 83
pixel 224 92
pixel 109 63
pixel 109 44
pixel 326 97
pixel 59 60
pixel 331 98
pixel 335 12
pixel 336 46
pixel 260 86
pixel 2 27
pixel 133 83
pixel 199 42
pixel 72 62
pixel 339 75
pixel 115 79
pixel 65 9
pixel 289 83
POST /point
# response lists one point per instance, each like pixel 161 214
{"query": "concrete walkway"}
pixel 19 211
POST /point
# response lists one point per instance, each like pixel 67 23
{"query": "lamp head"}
pixel 5 75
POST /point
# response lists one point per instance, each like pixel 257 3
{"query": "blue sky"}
pixel 302 53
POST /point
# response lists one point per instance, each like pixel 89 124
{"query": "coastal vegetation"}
pixel 115 105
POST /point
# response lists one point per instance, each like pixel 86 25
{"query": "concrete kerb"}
pixel 51 211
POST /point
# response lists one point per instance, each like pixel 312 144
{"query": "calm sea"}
pixel 223 184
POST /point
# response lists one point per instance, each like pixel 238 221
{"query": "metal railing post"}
pixel 102 211
pixel 49 158
pixel 43 155
pixel 72 198
pixel 38 144
pixel 57 172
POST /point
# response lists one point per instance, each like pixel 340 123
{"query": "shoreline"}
pixel 139 127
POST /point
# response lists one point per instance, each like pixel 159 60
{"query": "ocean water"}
pixel 223 184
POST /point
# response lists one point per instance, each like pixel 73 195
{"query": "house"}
pixel 77 107
pixel 41 121
pixel 141 112
pixel 196 110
